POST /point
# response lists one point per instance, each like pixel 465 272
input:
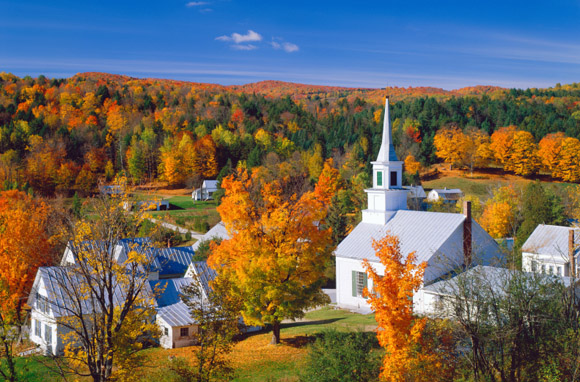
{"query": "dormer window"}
pixel 379 178
pixel 393 178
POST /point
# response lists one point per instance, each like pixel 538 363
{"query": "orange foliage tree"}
pixel 549 151
pixel 25 244
pixel 410 354
pixel 279 244
pixel 501 145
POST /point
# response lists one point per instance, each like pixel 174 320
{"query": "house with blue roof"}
pixel 51 301
pixel 445 241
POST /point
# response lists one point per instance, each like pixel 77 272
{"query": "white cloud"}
pixel 196 3
pixel 286 46
pixel 240 38
pixel 289 47
pixel 244 47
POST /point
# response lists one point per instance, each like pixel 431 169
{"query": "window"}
pixel 543 268
pixel 184 332
pixel 37 328
pixel 559 271
pixel 166 331
pixel 359 282
pixel 48 335
pixel 42 303
pixel 534 266
pixel 551 269
pixel 379 178
pixel 393 178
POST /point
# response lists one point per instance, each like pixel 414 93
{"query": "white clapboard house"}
pixel 552 250
pixel 205 192
pixel 49 303
pixel 446 241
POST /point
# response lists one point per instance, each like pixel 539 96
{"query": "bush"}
pixel 343 356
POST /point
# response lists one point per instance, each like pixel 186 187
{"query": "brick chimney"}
pixel 571 253
pixel 467 233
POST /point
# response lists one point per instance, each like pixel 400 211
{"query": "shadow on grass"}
pixel 298 341
pixel 308 323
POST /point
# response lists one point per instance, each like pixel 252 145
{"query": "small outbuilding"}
pixel 451 195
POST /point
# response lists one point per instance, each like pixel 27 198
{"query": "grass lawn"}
pixel 253 358
pixel 481 184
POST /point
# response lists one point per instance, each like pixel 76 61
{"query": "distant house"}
pixel 451 195
pixel 552 249
pixel 415 197
pixel 205 192
pixel 111 190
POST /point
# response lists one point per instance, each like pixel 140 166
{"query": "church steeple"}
pixel 387 151
pixel 387 195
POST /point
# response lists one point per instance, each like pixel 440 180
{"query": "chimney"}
pixel 467 233
pixel 571 253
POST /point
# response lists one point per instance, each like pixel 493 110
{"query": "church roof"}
pixel 387 151
pixel 419 231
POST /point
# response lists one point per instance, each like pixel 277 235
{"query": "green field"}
pixel 482 186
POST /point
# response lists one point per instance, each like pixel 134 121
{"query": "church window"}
pixel 379 178
pixel 393 178
pixel 359 282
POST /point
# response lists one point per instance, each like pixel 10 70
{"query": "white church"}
pixel 448 242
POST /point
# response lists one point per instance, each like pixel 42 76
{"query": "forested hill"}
pixel 62 135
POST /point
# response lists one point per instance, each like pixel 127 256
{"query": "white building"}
pixel 551 249
pixel 451 195
pixel 205 192
pixel 445 241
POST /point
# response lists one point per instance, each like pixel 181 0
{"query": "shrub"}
pixel 343 356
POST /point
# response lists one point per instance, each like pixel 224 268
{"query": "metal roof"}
pixel 174 260
pixel 486 279
pixel 551 240
pixel 419 231
pixel 219 230
pixel 210 185
pixel 64 291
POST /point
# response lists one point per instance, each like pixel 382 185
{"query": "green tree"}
pixel 540 205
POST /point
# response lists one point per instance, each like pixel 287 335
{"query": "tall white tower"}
pixel 387 195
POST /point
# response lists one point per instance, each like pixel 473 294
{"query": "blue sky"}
pixel 448 44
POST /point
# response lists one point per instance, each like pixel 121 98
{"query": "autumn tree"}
pixel 275 258
pixel 549 151
pixel 106 305
pixel 567 166
pixel 411 164
pixel 451 145
pixel 21 218
pixel 409 355
pixel 501 145
pixel 524 158
pixel 477 151
pixel 500 214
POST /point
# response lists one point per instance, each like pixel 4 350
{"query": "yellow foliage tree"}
pixel 451 145
pixel 499 214
pixel 411 164
pixel 524 154
pixel 278 247
pixel 568 165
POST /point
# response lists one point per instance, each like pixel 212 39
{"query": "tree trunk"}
pixel 275 333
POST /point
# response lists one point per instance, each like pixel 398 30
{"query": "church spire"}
pixel 387 151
